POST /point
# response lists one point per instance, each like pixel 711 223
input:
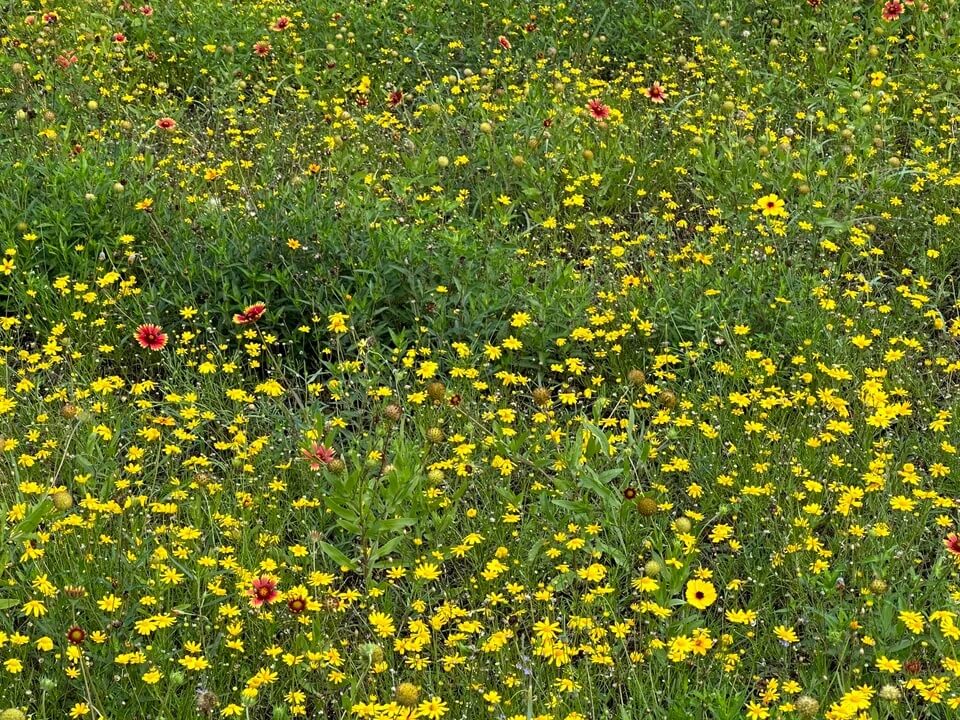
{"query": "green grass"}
pixel 567 365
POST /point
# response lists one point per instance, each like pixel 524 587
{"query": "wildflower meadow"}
pixel 384 360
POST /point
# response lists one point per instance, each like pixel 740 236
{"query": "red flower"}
pixel 504 43
pixel 261 49
pixel 151 337
pixel 318 455
pixel 656 93
pixel 250 314
pixel 814 3
pixel 952 543
pixel 76 635
pixel 892 10
pixel 598 110
pixel 396 97
pixel 264 590
pixel 119 38
pixel 296 604
pixel 281 24
pixel 166 123
pixel 146 11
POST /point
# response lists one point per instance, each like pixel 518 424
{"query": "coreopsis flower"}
pixel 151 337
pixel 250 314
pixel 263 591
pixel 656 93
pixel 598 110
pixel 771 206
pixel 701 594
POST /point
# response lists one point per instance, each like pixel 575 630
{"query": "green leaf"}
pixel 600 436
pixel 32 521
pixel 386 549
pixel 342 511
pixel 336 555
pixel 392 525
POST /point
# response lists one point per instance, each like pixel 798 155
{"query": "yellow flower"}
pixel 34 608
pixel 382 624
pixel 771 206
pixel 885 664
pixel 110 603
pixel 913 621
pixel 337 323
pixel 519 319
pixel 742 617
pixel 194 663
pixel 432 709
pixel 701 594
pixel 785 634
pixel 427 571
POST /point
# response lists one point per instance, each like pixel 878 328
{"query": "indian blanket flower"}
pixel 76 635
pixel 318 455
pixel 296 604
pixel 952 543
pixel 656 93
pixel 263 591
pixel 166 123
pixel 151 337
pixel 598 110
pixel 892 10
pixel 250 314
